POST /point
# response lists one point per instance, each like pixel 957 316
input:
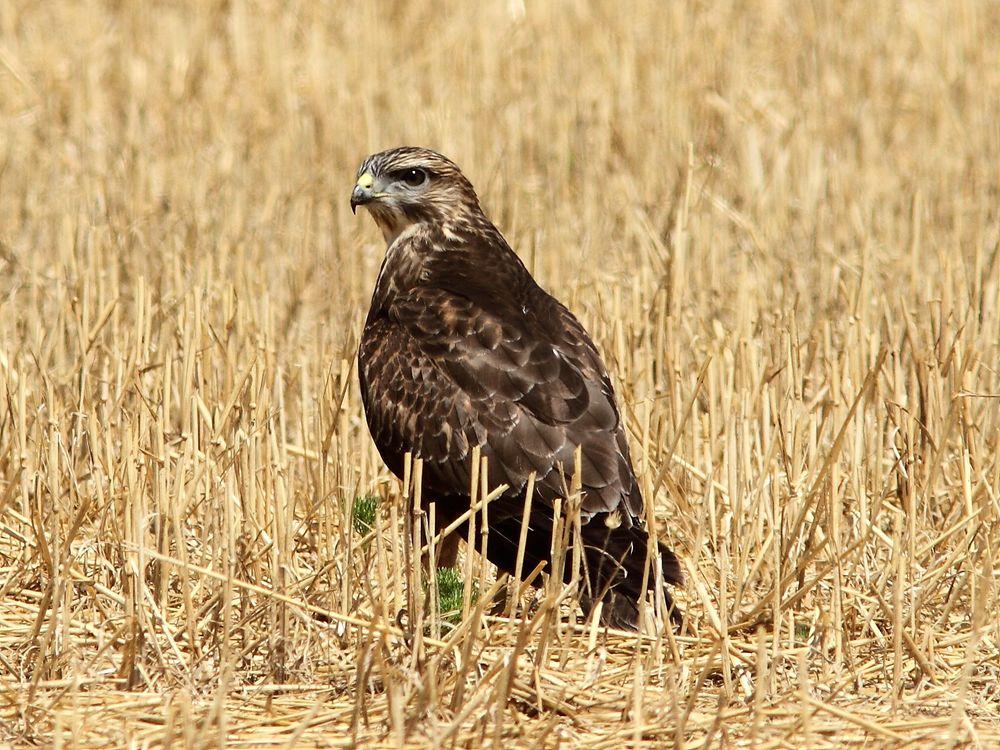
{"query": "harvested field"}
pixel 781 224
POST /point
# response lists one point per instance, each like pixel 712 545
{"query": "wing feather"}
pixel 442 374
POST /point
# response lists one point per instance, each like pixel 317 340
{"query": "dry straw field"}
pixel 779 220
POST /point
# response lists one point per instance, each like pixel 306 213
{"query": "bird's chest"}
pixel 403 268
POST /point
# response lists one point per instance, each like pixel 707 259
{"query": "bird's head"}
pixel 405 186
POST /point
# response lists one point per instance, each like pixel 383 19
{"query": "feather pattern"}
pixel 463 349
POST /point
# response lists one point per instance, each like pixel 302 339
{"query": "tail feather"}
pixel 616 559
pixel 614 564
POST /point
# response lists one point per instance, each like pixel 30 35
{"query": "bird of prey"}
pixel 462 348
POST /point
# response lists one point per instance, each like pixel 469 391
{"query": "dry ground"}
pixel 779 220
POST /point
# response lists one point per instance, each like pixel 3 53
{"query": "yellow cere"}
pixel 366 180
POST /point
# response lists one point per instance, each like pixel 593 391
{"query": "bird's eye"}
pixel 413 177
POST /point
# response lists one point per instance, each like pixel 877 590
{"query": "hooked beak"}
pixel 362 192
pixel 359 197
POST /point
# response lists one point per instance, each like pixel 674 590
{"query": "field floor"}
pixel 779 220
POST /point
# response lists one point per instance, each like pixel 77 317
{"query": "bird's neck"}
pixel 452 240
pixel 446 253
pixel 447 224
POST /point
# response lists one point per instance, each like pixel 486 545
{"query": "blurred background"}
pixel 224 136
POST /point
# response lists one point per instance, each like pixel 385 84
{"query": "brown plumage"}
pixel 462 348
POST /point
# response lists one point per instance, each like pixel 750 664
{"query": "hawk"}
pixel 461 349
